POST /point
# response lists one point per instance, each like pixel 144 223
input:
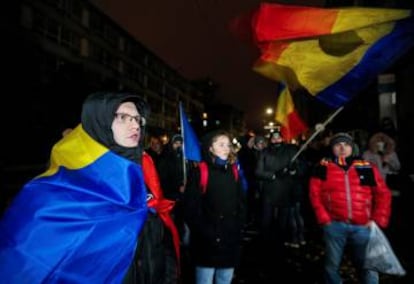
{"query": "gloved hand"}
pixel 290 170
pixel 283 172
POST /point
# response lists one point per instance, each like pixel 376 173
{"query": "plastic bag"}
pixel 379 254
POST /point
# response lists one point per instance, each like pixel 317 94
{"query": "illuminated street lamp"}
pixel 271 126
pixel 268 119
pixel 269 111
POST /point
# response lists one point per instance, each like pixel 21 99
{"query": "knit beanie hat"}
pixel 276 134
pixel 259 139
pixel 341 137
pixel 177 138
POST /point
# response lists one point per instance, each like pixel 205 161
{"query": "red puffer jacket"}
pixel 357 195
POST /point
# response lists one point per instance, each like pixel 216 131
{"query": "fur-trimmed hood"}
pixel 389 143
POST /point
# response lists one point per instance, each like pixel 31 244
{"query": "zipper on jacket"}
pixel 368 209
pixel 348 196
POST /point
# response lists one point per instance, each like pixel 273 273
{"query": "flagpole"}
pixel 183 145
pixel 319 128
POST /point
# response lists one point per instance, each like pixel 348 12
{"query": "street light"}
pixel 271 126
pixel 269 110
pixel 268 119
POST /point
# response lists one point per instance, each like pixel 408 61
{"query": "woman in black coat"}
pixel 215 214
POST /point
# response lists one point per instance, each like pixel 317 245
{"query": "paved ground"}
pixel 304 264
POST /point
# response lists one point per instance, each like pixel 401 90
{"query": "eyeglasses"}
pixel 125 118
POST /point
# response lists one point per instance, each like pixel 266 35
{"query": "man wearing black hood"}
pixel 156 259
pixel 80 221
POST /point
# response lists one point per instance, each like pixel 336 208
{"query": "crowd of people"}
pixel 110 209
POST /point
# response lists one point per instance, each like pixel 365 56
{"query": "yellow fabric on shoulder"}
pixel 74 151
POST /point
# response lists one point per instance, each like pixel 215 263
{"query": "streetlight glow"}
pixel 269 110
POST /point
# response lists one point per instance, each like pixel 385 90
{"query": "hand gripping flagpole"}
pixel 319 127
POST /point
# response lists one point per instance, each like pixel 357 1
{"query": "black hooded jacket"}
pixel 98 114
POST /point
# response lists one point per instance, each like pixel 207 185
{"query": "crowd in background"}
pixel 196 212
pixel 277 188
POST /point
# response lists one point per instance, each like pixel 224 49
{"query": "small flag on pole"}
pixel 191 146
pixel 287 115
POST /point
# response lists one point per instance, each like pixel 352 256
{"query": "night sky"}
pixel 193 37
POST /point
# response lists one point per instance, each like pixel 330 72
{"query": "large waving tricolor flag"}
pixel 288 116
pixel 78 222
pixel 333 53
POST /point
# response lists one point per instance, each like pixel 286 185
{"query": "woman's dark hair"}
pixel 208 141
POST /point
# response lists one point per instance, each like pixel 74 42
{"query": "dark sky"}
pixel 192 36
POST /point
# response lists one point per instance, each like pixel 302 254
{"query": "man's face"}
pixel 177 144
pixel 342 149
pixel 276 139
pixel 260 145
pixel 126 125
pixel 156 145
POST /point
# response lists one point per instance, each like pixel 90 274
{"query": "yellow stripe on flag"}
pixel 307 63
pixel 74 151
pixel 284 106
pixel 288 117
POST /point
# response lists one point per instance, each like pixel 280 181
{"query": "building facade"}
pixel 74 38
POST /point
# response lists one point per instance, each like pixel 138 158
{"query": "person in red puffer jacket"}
pixel 347 193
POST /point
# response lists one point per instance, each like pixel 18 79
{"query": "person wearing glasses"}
pixel 157 256
pixel 82 221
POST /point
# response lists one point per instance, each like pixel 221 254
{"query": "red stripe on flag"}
pixel 287 115
pixel 281 22
pixel 294 126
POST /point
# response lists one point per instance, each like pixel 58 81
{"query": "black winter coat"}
pixel 215 218
pixel 278 190
pixel 171 172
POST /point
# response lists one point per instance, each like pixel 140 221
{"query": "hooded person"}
pixel 381 152
pixel 79 221
pixel 99 112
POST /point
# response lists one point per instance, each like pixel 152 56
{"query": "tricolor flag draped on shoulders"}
pixel 79 221
pixel 287 115
pixel 334 53
pixel 191 145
